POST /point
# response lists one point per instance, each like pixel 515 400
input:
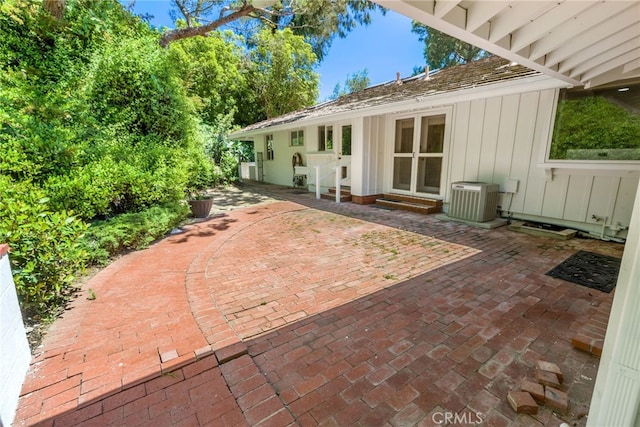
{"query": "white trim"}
pixel 447 112
pixel 565 167
pixel 418 103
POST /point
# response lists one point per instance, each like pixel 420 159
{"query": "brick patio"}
pixel 296 311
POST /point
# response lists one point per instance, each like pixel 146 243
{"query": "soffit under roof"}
pixel 581 42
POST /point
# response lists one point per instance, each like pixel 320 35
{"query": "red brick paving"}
pixel 313 313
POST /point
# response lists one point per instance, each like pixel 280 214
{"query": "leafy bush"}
pixel 593 123
pixel 45 247
pixel 106 239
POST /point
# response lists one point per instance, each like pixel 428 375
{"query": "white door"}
pixel 418 154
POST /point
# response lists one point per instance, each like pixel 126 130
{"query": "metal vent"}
pixel 473 201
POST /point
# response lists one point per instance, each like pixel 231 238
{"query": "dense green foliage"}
pixel 442 51
pixel 596 124
pixel 45 245
pixel 216 77
pixel 100 125
pixel 130 231
pixel 284 78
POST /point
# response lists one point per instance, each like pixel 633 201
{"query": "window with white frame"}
pixel 346 140
pixel 325 138
pixel 269 146
pixel 601 124
pixel 297 138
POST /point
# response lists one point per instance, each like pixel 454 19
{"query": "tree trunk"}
pixel 183 33
pixel 55 7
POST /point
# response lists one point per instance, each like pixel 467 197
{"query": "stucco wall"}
pixel 14 348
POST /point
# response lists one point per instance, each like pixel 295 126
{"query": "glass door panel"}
pixel 403 155
pixel 432 135
pixel 418 154
pixel 429 172
pixel 404 136
pixel 431 149
pixel 402 173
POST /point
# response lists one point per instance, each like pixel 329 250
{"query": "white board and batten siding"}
pixel 501 138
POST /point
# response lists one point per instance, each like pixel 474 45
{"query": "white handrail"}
pixel 334 167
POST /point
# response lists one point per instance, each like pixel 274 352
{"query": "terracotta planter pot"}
pixel 201 208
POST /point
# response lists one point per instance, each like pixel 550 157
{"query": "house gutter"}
pixel 420 102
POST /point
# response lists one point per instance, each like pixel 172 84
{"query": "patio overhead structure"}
pixel 588 43
pixel 583 43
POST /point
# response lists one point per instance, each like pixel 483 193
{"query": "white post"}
pixel 318 182
pixel 616 396
pixel 338 179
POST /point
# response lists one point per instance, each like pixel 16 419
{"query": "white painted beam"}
pixel 517 15
pixel 602 57
pixel 408 9
pixel 587 52
pixel 546 23
pixel 579 25
pixel 424 5
pixel 442 7
pixel 619 61
pixel 631 66
pixel 611 76
pixel 479 12
pixel 579 45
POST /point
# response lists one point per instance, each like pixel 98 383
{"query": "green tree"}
pixel 319 21
pixel 283 72
pixel 353 83
pixel 94 122
pixel 213 71
pixel 442 51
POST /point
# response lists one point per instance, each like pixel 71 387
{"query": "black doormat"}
pixel 589 269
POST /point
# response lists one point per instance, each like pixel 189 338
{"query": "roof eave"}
pixel 507 87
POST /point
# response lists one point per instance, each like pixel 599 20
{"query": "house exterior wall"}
pixel 490 139
pixel 371 180
pixel 280 169
pixel 14 348
pixel 501 138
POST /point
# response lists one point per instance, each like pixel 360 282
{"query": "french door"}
pixel 418 154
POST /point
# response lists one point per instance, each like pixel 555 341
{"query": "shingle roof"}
pixel 474 74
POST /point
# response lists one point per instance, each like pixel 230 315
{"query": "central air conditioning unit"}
pixel 474 201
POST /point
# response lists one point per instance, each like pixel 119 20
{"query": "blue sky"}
pixel 385 47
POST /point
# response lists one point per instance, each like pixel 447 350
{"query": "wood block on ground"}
pixel 547 378
pixel 534 389
pixel 556 399
pixel 543 365
pixel 522 402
